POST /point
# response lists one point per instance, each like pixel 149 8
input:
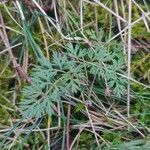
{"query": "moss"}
pixel 139 31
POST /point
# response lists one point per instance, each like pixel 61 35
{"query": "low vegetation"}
pixel 75 74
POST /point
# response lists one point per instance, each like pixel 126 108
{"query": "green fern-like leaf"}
pixel 66 74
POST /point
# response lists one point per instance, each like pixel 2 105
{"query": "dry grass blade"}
pixel 130 123
pixel 109 10
pixel 129 55
pixel 88 114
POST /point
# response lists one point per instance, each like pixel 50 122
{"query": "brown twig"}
pixel 16 66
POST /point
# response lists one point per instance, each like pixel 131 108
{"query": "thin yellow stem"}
pixel 44 37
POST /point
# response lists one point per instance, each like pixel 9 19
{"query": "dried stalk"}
pixel 16 66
